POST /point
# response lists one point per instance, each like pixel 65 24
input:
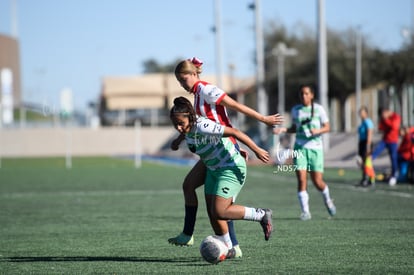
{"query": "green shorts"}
pixel 308 159
pixel 225 182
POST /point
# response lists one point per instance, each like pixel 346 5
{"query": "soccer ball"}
pixel 213 250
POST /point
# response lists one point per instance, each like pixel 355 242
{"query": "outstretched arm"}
pixel 271 120
pixel 261 154
pixel 281 130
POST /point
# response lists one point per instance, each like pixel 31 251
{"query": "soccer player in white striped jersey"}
pixel 210 102
pixel 226 169
pixel 309 122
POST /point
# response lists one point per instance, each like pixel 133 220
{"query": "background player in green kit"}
pixel 226 168
pixel 309 122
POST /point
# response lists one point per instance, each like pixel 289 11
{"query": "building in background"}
pixel 148 97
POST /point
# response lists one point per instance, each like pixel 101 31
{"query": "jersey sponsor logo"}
pixel 225 190
pixel 204 140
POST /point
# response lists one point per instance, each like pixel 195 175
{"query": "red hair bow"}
pixel 197 62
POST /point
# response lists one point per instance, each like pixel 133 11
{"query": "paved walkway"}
pixel 343 151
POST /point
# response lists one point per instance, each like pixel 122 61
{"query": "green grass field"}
pixel 106 217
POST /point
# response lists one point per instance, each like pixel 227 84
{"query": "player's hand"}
pixel 175 144
pixel 279 130
pixel 263 155
pixel 275 119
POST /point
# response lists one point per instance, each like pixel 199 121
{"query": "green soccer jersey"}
pixel 304 121
pixel 206 140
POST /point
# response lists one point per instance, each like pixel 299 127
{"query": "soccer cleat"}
pixel 239 253
pixel 266 223
pixel 330 207
pixel 231 254
pixel 392 181
pixel 182 240
pixel 305 216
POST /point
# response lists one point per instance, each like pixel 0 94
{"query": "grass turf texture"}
pixel 106 217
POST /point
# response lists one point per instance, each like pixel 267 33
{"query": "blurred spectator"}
pixel 405 153
pixel 390 126
pixel 365 133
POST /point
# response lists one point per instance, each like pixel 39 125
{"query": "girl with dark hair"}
pixel 210 102
pixel 225 169
pixel 309 122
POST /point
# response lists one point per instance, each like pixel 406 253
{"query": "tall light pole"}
pixel 262 99
pixel 281 51
pixel 358 74
pixel 217 31
pixel 322 63
pixel 14 27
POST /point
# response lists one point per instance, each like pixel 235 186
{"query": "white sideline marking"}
pixel 91 193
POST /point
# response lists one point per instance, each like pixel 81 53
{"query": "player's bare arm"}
pixel 282 130
pixel 270 120
pixel 324 129
pixel 261 154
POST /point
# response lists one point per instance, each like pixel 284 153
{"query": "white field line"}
pixel 339 186
pixel 94 193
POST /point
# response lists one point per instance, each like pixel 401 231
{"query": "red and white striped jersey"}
pixel 207 98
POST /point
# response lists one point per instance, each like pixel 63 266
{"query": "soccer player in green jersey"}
pixel 309 122
pixel 226 168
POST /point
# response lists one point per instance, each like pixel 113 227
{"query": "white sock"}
pixel 326 195
pixel 303 197
pixel 226 239
pixel 253 214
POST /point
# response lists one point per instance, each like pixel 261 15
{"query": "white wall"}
pixel 44 142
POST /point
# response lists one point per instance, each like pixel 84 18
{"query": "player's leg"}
pixel 317 179
pixel 301 169
pixel 210 189
pixel 194 179
pixel 219 226
pixel 228 185
pixel 224 209
pixel 303 196
pixel 378 149
pixel 393 152
pixel 362 153
pixel 316 162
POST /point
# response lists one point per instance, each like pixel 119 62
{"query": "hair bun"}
pixel 179 100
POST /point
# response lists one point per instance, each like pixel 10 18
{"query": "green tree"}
pixel 153 66
pixel 377 66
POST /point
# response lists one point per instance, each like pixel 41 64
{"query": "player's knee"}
pixel 188 187
pixel 221 214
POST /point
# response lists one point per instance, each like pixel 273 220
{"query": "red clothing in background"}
pixel 391 128
pixel 406 148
